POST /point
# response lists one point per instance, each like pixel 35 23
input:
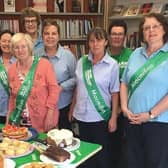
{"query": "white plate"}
pixel 75 145
pixel 32 133
pixel 31 149
pixel 29 164
pixel 46 159
pixel 9 163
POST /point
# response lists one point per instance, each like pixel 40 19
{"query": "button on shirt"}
pixel 4 98
pixel 64 63
pixel 153 88
pixel 106 74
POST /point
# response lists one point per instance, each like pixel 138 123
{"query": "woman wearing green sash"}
pixel 6 59
pixel 34 89
pixel 95 104
pixel 117 35
pixel 144 96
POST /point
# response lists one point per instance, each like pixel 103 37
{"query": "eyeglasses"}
pixel 17 48
pixel 153 27
pixel 117 34
pixel 33 21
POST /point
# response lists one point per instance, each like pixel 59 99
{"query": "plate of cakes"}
pixel 20 133
pixel 63 138
pixel 57 156
pixel 13 148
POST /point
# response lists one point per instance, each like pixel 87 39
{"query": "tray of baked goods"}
pixel 13 148
pixel 20 133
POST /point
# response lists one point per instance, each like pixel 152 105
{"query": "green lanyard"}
pixel 93 90
pixel 23 93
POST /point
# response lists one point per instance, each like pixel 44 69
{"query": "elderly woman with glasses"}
pixel 144 96
pixel 30 22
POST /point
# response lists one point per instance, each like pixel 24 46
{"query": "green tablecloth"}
pixel 85 151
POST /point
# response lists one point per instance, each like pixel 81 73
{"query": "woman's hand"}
pixel 128 113
pixel 70 115
pixel 137 118
pixel 112 125
pixel 141 118
pixel 133 118
pixel 49 123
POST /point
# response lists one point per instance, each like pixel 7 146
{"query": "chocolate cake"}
pixel 57 153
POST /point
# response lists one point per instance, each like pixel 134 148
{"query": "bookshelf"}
pixel 71 19
pixel 131 20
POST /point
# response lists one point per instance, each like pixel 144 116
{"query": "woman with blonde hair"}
pixel 34 89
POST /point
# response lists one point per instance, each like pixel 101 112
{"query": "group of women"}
pixel 40 90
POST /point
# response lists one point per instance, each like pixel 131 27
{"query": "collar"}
pixel 57 54
pixel 164 48
pixel 105 59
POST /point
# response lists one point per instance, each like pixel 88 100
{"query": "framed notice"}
pixel 9 5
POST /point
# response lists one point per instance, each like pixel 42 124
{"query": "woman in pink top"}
pixel 34 89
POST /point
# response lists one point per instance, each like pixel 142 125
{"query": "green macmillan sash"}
pixel 23 93
pixel 4 78
pixel 93 90
pixel 138 77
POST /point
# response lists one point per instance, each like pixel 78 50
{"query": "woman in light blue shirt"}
pixel 64 64
pixel 144 96
pixel 6 59
pixel 95 103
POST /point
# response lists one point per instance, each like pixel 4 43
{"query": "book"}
pixel 9 5
pixel 132 10
pixel 100 6
pixel 40 5
pixel 156 8
pixel 93 6
pixel 77 6
pixel 118 10
pixel 145 8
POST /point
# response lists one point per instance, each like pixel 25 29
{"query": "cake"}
pixel 14 132
pixel 60 138
pixel 57 153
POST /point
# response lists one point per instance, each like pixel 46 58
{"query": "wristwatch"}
pixel 151 115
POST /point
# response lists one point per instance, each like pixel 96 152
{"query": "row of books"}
pixel 12 25
pixel 140 9
pixel 70 29
pixel 77 6
pixel 75 29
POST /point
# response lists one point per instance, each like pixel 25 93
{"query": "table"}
pixel 84 152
